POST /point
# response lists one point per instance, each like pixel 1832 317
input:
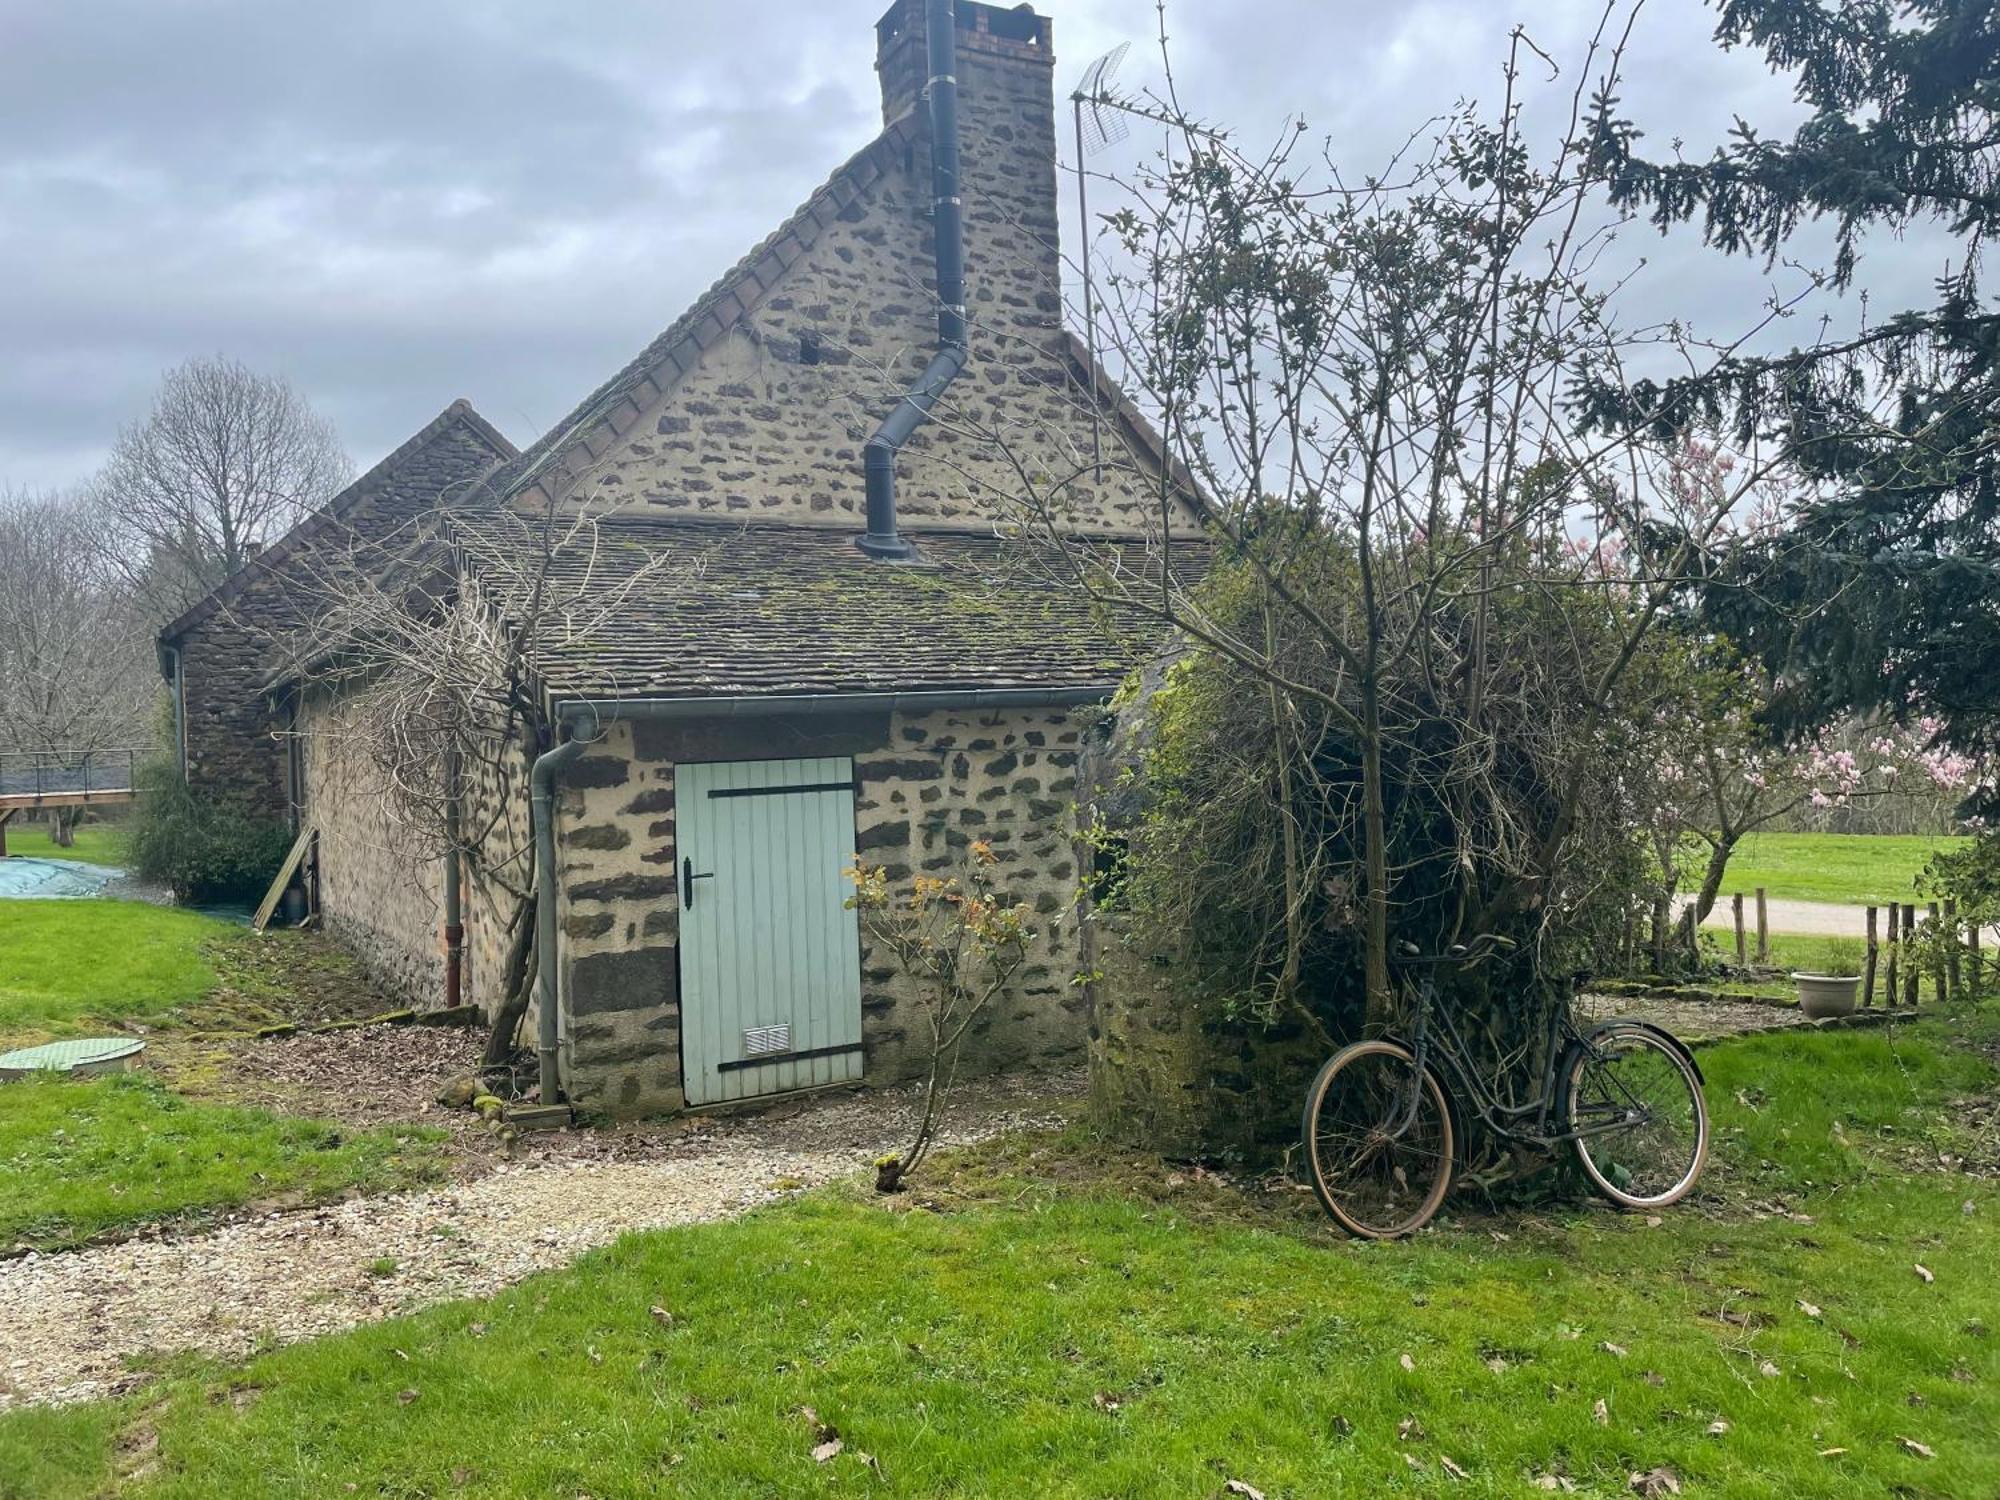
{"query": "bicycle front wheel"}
pixel 1634 1101
pixel 1378 1140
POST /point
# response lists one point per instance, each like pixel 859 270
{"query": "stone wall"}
pixel 1182 1080
pixel 381 899
pixel 929 785
pixel 768 419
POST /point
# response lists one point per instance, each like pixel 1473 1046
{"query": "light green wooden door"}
pixel 770 952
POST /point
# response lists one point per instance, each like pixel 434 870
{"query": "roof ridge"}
pixel 337 505
pixel 606 414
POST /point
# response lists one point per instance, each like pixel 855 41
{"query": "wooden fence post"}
pixel 1742 948
pixel 1763 928
pixel 1912 975
pixel 1688 929
pixel 1868 973
pixel 1891 996
pixel 1976 961
pixel 1954 941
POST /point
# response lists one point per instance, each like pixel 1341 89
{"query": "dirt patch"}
pixel 1692 1020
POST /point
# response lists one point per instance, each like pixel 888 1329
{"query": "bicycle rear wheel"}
pixel 1638 1099
pixel 1378 1140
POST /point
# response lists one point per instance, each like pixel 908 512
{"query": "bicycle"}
pixel 1626 1095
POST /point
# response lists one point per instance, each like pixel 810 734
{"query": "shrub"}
pixel 201 847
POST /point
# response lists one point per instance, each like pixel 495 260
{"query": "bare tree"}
pixel 432 644
pixel 226 461
pixel 75 675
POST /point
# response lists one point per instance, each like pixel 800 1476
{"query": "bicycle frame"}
pixel 1464 1080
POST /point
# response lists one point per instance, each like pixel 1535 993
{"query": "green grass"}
pixel 80 1157
pixel 1050 1317
pixel 96 843
pixel 65 962
pixel 1851 869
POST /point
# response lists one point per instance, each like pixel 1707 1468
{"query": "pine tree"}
pixel 1885 592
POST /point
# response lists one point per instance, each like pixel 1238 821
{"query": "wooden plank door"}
pixel 770 952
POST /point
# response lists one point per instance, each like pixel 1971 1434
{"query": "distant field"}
pixel 1852 868
pixel 96 843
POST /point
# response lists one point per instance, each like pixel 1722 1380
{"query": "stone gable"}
pixel 761 410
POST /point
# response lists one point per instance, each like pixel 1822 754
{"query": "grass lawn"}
pixel 1852 869
pixel 79 1157
pixel 64 962
pixel 1044 1316
pixel 82 1158
pixel 96 843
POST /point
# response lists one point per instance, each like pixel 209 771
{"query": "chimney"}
pixel 1006 57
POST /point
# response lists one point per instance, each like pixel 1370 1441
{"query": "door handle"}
pixel 688 878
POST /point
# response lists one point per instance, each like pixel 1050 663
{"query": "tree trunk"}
pixel 1380 1010
pixel 517 985
pixel 1711 878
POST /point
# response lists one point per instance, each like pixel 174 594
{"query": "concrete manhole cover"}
pixel 98 1054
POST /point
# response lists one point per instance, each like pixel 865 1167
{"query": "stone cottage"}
pixel 845 436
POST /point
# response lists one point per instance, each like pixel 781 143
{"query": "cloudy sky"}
pixel 398 203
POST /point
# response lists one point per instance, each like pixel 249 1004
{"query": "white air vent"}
pixel 759 1040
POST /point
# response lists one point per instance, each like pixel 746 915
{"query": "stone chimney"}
pixel 1007 141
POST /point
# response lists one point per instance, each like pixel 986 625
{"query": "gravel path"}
pixel 1807 918
pixel 72 1321
pixel 1693 1020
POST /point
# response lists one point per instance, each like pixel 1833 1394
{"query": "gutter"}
pixel 766 705
pixel 878 456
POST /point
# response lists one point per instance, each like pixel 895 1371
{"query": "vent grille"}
pixel 760 1040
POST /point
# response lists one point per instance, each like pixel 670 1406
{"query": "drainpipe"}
pixel 178 685
pixel 454 918
pixel 541 804
pixel 878 457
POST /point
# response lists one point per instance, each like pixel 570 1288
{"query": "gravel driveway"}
pixel 73 1320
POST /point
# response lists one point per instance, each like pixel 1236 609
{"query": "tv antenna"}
pixel 1100 116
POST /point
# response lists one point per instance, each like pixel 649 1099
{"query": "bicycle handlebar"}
pixel 1471 951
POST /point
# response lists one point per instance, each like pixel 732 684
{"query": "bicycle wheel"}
pixel 1637 1098
pixel 1378 1140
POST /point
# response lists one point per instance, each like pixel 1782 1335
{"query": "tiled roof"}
pixel 411 477
pixel 774 610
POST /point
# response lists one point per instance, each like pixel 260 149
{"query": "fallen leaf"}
pixel 1911 1445
pixel 594 1357
pixel 1600 1413
pixel 826 1450
pixel 1769 1371
pixel 1610 1348
pixel 1242 1487
pixel 1808 1308
pixel 477 1330
pixel 1655 1379
pixel 1497 1365
pixel 1452 1469
pixel 1717 1428
pixel 1660 1481
pixel 1406 1362
pixel 400 1355
pixel 1831 1452
pixel 1412 1460
pixel 1410 1430
pixel 1105 1401
pixel 1654 1221
pixel 1555 1482
pixel 1341 1426
pixel 661 1316
pixel 404 1398
pixel 1924 1273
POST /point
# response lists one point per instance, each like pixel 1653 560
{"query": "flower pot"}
pixel 1823 995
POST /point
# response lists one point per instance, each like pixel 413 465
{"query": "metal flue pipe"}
pixel 878 456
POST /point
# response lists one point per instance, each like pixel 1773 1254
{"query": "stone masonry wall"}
pixel 381 903
pixel 929 785
pixel 769 423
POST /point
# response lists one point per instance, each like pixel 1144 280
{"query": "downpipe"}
pixel 541 806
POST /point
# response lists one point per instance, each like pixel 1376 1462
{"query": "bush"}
pixel 202 848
